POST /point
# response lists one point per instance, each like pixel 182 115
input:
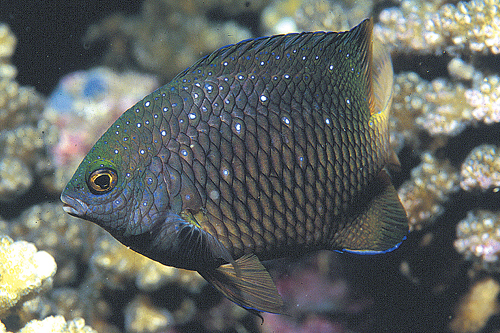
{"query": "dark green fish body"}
pixel 270 147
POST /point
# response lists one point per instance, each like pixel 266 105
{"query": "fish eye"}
pixel 102 181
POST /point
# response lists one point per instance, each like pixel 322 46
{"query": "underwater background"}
pixel 68 69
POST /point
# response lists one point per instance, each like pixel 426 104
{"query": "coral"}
pixel 484 97
pixel 7 43
pixel 117 264
pixel 57 324
pixel 478 238
pixel 23 134
pixel 431 184
pixel 82 107
pixel 445 110
pixel 286 16
pixel 68 239
pixel 436 26
pixel 481 168
pixel 24 272
pixel 439 107
pixel 166 38
pixel 476 307
pixel 142 316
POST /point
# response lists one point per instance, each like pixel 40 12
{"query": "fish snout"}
pixel 73 206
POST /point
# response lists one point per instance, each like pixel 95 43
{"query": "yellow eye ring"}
pixel 102 181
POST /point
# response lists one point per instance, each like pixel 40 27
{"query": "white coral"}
pixel 24 272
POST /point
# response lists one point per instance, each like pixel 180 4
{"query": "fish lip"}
pixel 73 206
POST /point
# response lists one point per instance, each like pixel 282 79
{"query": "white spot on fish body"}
pixel 214 194
pixel 147 104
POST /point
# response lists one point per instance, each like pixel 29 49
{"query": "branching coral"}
pixel 478 238
pixel 430 185
pixel 484 97
pixel 435 26
pixel 23 134
pixel 481 168
pixel 286 16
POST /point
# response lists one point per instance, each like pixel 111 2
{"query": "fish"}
pixel 272 147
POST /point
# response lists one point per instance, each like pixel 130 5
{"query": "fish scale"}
pixel 267 148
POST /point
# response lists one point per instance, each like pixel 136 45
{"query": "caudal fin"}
pixel 247 283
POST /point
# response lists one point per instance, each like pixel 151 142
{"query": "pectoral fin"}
pixel 249 286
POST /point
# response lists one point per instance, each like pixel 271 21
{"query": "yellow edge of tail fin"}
pixel 381 79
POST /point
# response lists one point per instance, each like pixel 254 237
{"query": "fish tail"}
pixel 247 283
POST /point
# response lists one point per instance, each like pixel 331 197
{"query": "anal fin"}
pixel 246 283
pixel 381 224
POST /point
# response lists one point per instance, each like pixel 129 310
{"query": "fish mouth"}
pixel 73 206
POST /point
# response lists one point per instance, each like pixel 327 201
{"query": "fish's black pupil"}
pixel 103 181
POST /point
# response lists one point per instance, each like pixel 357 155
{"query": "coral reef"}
pixel 24 135
pixel 65 237
pixel 117 265
pixel 143 317
pixel 430 185
pixel 286 16
pixel 444 125
pixel 478 238
pixel 481 169
pixel 24 272
pixel 436 26
pixel 57 324
pixel 167 37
